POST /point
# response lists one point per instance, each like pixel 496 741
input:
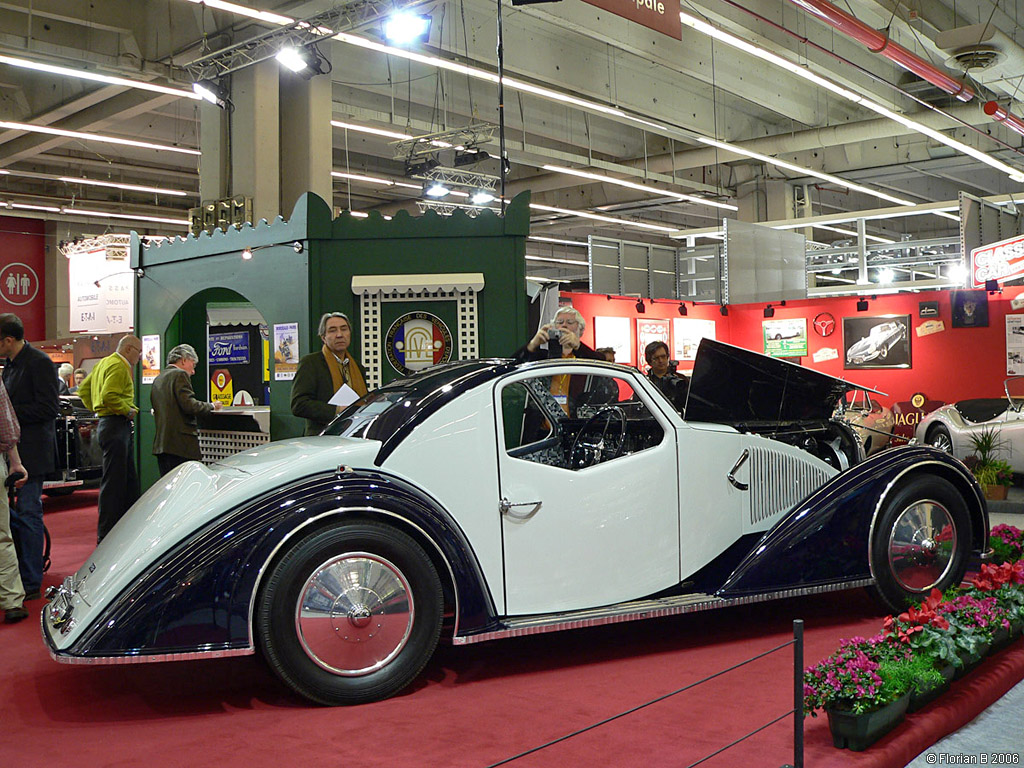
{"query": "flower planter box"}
pixel 858 732
pixel 972 660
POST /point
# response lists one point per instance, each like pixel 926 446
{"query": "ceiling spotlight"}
pixel 437 190
pixel 481 197
pixel 640 308
pixel 862 305
pixel 302 61
pixel 405 27
pixel 212 91
pixel 724 310
pixel 246 254
pixel 886 276
pixel 769 311
pixel 682 310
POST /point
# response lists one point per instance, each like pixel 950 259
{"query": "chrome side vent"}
pixel 779 480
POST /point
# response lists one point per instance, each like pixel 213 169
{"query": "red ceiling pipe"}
pixel 879 42
pixel 996 112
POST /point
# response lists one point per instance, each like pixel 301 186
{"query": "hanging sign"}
pixel 659 15
pixel 1000 261
pixel 221 388
pixel 230 348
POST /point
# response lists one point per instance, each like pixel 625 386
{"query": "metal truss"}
pixel 447 209
pixel 456 177
pixel 343 17
pixel 458 139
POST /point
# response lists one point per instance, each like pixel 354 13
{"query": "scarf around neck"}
pixel 344 374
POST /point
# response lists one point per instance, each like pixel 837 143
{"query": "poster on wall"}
pixel 970 309
pixel 1014 345
pixel 286 351
pixel 150 358
pixel 686 335
pixel 647 331
pixel 785 338
pixel 231 348
pixel 882 341
pixel 614 332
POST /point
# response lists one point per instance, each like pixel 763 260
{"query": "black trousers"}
pixel 119 486
pixel 165 462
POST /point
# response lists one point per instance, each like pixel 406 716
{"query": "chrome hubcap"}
pixel 921 546
pixel 942 442
pixel 354 614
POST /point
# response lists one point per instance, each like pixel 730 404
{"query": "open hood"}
pixel 735 386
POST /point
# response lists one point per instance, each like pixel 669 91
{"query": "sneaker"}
pixel 12 615
pixel 33 595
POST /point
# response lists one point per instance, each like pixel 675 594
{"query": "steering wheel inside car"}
pixel 609 443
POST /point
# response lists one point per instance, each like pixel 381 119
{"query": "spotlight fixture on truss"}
pixel 462 141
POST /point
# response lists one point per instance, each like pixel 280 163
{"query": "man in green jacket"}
pixel 110 391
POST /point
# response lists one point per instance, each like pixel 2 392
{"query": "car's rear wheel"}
pixel 921 541
pixel 938 437
pixel 350 614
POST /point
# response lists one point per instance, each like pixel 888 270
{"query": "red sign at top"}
pixel 659 15
pixel 1000 261
pixel 22 286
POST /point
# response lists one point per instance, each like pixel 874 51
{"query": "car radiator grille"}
pixel 778 481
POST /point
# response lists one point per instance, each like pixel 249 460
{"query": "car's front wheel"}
pixel 938 437
pixel 921 541
pixel 350 614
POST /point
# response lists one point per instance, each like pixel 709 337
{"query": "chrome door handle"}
pixel 735 467
pixel 505 506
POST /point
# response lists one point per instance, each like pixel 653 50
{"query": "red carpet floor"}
pixel 473 706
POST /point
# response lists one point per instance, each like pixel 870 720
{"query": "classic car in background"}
pixel 880 339
pixel 872 421
pixel 467 500
pixel 79 458
pixel 951 427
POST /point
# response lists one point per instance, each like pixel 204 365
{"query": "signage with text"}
pixel 1000 261
pixel 659 15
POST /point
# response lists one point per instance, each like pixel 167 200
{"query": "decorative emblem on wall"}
pixel 417 340
pixel 824 324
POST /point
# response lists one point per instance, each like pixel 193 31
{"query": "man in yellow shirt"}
pixel 110 391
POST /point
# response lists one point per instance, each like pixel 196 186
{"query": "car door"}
pixel 596 527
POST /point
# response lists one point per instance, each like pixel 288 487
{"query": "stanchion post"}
pixel 798 693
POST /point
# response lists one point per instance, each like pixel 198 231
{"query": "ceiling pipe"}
pixel 999 114
pixel 879 42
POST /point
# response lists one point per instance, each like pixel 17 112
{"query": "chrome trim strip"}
pixel 639 609
pixel 262 571
pixel 189 655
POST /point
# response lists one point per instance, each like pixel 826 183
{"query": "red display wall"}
pixel 954 364
pixel 22 273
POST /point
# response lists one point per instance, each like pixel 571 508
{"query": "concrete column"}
pixel 255 138
pixel 306 140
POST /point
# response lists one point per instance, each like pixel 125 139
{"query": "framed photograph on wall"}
pixel 970 309
pixel 648 330
pixel 882 341
pixel 614 332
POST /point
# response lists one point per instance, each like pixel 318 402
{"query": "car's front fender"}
pixel 199 597
pixel 825 539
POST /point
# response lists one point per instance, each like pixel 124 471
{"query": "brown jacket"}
pixel 175 408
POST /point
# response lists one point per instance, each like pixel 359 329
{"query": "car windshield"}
pixel 382 412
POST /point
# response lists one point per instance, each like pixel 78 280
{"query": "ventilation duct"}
pixel 986 53
pixel 879 42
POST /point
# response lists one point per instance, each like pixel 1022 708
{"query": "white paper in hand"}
pixel 344 396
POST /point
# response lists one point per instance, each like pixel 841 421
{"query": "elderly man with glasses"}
pixel 110 391
pixel 175 408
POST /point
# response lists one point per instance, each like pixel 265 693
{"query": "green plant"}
pixel 912 673
pixel 994 472
pixel 986 444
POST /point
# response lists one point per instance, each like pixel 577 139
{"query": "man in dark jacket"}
pixel 320 374
pixel 32 385
pixel 175 408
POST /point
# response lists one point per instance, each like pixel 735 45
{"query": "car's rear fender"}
pixel 198 599
pixel 825 539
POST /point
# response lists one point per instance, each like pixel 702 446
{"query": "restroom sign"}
pixel 19 284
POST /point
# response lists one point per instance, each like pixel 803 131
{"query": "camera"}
pixel 554 334
pixel 672 366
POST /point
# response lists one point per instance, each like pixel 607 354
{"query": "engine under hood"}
pixel 751 391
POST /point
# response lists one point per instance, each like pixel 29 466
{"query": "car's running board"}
pixel 635 610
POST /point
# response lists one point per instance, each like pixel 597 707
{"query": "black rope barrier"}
pixel 797 711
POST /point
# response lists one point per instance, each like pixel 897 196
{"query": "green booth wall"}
pixel 303 267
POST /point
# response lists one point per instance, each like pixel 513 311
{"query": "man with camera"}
pixel 663 374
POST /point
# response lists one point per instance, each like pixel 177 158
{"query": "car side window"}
pixel 575 424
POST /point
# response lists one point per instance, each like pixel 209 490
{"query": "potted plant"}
pixel 1007 543
pixel 1004 582
pixel 994 475
pixel 864 697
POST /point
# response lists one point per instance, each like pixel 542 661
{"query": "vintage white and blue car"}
pixel 469 501
pixel 952 427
